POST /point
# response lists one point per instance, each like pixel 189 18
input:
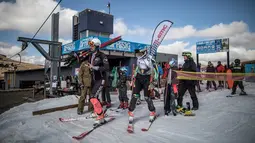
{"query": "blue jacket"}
pixel 160 70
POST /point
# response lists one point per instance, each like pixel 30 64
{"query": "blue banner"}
pixel 122 46
pixel 212 46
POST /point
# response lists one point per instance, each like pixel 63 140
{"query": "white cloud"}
pixel 179 33
pixel 121 28
pixel 9 50
pixel 216 31
pixel 28 15
pixel 65 41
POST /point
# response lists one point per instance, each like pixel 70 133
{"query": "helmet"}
pixel 188 54
pixel 94 42
pixel 219 62
pixel 237 61
pixel 124 69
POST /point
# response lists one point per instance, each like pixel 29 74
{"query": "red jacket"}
pixel 220 68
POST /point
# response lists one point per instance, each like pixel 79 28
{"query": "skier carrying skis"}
pixel 171 90
pixel 184 85
pixel 99 65
pixel 237 68
pixel 143 77
pixel 122 86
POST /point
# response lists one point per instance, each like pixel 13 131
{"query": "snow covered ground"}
pixel 219 120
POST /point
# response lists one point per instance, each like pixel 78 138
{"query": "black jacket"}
pixel 210 69
pixel 122 80
pixel 101 66
pixel 190 66
pixel 237 69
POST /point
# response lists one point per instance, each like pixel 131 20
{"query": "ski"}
pixel 86 133
pixel 77 119
pixel 151 122
pixel 229 96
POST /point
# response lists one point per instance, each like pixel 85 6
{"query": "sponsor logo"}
pixel 69 47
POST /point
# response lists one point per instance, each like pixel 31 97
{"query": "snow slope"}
pixel 219 120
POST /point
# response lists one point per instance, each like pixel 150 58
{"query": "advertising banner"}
pixel 123 46
pixel 250 68
pixel 212 46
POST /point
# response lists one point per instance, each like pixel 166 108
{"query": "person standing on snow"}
pixel 143 77
pixel 122 86
pixel 210 69
pixel 171 91
pixel 184 85
pixel 84 78
pixel 237 68
pixel 100 66
pixel 220 69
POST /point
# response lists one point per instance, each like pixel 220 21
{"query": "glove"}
pixel 81 85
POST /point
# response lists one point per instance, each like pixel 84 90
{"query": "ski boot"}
pixel 125 106
pixel 130 128
pixel 79 112
pixel 194 108
pixel 138 102
pixel 121 105
pixel 243 93
pixel 232 93
pixel 108 105
pixel 92 115
pixel 99 120
pixel 167 113
pixel 152 116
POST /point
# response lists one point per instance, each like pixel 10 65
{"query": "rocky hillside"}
pixel 7 64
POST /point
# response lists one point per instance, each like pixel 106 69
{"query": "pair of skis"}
pixel 130 128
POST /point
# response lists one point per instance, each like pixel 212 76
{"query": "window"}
pixel 92 33
pixel 83 34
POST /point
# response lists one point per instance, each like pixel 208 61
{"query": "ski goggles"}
pixel 91 43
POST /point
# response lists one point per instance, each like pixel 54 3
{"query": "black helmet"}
pixel 237 61
pixel 219 62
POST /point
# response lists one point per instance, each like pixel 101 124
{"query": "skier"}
pixel 184 85
pixel 84 78
pixel 171 90
pixel 220 69
pixel 143 77
pixel 210 69
pixel 100 66
pixel 122 86
pixel 237 68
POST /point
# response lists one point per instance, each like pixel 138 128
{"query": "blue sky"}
pixel 201 14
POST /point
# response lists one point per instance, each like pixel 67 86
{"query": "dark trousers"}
pixel 239 83
pixel 141 82
pixel 192 91
pixel 209 84
pixel 106 94
pixel 123 94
